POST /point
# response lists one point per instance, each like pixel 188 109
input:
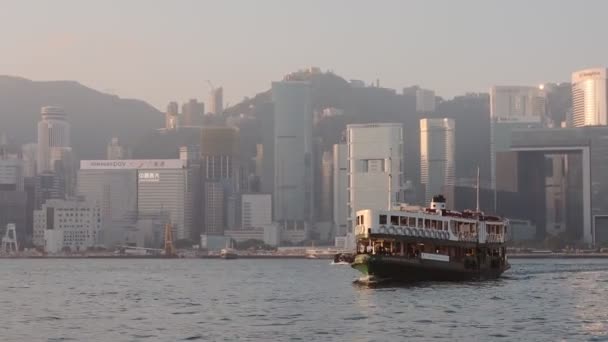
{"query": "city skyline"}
pixel 49 48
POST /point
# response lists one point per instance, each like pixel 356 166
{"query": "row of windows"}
pixel 408 221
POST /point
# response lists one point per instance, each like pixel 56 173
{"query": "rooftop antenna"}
pixel 477 188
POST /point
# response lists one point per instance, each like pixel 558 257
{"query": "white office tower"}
pixel 436 156
pixel 590 97
pixel 340 184
pixel 293 162
pixel 62 224
pixel 511 108
pixel 53 131
pixel 375 168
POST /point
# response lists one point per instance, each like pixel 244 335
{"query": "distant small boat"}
pixel 228 253
pixel 343 259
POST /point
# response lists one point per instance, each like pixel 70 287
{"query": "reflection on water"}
pixel 276 300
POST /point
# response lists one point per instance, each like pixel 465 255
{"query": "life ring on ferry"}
pixel 435 235
pixel 381 229
pixel 408 231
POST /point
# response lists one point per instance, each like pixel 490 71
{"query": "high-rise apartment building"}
pixel 590 97
pixel 293 163
pixel 53 131
pixel 437 164
pixel 375 167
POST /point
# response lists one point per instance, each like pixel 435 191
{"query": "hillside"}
pixel 376 104
pixel 95 117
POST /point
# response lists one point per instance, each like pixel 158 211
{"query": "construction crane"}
pixel 169 247
pixel 211 86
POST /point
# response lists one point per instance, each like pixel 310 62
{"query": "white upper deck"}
pixel 427 223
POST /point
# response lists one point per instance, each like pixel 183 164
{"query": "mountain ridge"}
pixel 95 117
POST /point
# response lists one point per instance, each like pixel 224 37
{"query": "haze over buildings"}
pixel 290 161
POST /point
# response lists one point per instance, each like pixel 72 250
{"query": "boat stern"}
pixel 361 263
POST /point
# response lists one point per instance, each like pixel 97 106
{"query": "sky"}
pixel 164 50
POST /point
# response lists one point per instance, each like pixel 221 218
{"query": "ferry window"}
pixel 382 219
pixel 412 222
pixel 433 224
pixel 395 220
pixel 403 221
pixel 362 220
pixel 427 223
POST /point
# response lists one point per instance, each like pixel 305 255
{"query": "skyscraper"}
pixel 219 175
pixel 375 168
pixel 172 116
pixel 29 154
pixel 192 113
pixel 512 107
pixel 293 164
pixel 53 131
pixel 425 101
pixel 436 156
pixel 217 100
pixel 340 184
pixel 517 101
pixel 590 97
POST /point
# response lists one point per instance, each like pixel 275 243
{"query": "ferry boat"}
pixel 430 244
pixel 228 252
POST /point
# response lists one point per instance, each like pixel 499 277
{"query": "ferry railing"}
pixel 426 233
pixel 467 237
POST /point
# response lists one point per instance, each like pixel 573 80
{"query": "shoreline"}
pixel 273 257
pixel 162 257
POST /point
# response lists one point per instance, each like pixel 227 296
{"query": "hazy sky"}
pixel 164 50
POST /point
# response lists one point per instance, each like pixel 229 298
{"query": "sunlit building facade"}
pixel 437 164
pixel 590 97
pixel 53 131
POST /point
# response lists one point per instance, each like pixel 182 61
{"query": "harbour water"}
pixel 298 300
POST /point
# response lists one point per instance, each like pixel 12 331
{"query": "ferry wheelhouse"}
pixel 414 243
